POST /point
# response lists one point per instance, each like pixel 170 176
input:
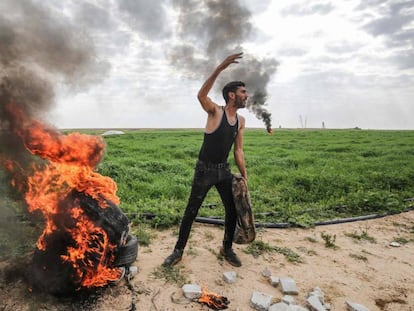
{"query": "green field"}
pixel 296 176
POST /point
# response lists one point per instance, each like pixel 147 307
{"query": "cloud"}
pixel 93 17
pixel 343 46
pixel 149 18
pixel 394 18
pixel 309 8
pixel 401 39
pixel 404 59
pixel 291 51
pixel 344 100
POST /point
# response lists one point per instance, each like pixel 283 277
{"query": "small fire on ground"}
pixel 213 300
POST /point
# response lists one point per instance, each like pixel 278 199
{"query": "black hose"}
pixel 214 220
pixel 217 220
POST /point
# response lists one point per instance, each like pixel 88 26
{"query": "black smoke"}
pixel 211 30
pixel 39 48
pixel 204 33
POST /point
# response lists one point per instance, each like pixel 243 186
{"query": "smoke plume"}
pixel 212 30
pixel 204 34
pixel 39 48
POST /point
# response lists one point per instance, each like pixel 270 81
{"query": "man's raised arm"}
pixel 205 101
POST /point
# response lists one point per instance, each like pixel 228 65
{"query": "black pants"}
pixel 205 177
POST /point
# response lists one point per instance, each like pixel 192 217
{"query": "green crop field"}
pixel 299 176
pixel 296 176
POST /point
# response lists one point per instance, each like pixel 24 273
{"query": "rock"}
pixel 279 307
pixel 274 281
pixel 352 306
pixel 395 244
pixel 230 277
pixel 132 271
pixel 261 301
pixel 289 300
pixel 192 291
pixel 315 304
pixel 266 273
pixel 318 293
pixel 288 286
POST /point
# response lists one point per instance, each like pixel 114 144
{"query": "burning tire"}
pixel 89 248
pixel 127 254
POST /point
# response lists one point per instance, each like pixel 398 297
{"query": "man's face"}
pixel 241 97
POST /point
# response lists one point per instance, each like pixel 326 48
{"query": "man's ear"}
pixel 232 95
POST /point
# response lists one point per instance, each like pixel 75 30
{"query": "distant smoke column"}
pixel 257 81
pixel 212 30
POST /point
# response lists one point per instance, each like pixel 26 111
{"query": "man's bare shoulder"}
pixel 216 109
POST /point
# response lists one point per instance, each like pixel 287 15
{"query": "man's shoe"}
pixel 174 258
pixel 230 256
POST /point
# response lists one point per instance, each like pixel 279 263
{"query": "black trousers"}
pixel 205 177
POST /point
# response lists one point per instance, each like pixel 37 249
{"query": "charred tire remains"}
pixel 51 273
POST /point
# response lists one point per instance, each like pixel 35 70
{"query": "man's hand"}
pixel 231 59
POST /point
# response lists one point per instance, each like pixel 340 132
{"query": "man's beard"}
pixel 240 103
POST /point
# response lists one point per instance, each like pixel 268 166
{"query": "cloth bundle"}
pixel 245 228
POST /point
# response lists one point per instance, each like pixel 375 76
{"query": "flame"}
pixel 68 165
pixel 90 239
pixel 269 130
pixel 213 300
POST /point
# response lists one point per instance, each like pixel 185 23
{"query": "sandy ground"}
pixel 377 275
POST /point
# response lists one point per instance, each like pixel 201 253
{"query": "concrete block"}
pixel 352 306
pixel 318 293
pixel 274 281
pixel 261 301
pixel 288 286
pixel 192 291
pixel 315 304
pixel 280 306
pixel 230 277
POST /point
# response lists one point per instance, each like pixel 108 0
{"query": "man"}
pixel 223 128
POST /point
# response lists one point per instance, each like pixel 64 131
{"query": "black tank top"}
pixel 216 145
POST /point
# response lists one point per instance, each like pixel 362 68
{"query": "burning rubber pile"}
pixel 85 241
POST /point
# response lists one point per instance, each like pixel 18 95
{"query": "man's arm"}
pixel 238 149
pixel 208 105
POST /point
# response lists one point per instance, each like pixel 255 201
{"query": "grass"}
pixel 257 248
pixel 329 240
pixel 363 236
pixel 402 240
pixel 170 275
pixel 359 257
pixel 296 176
pixel 143 234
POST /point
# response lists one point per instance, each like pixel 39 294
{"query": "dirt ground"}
pixel 372 273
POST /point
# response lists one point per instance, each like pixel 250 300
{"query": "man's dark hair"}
pixel 231 87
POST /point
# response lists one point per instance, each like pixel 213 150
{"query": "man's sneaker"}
pixel 174 258
pixel 230 256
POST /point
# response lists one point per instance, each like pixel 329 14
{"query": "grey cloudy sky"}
pixel 139 64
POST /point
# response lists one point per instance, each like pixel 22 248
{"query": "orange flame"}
pixel 69 165
pixel 213 300
pixel 90 239
pixel 269 130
